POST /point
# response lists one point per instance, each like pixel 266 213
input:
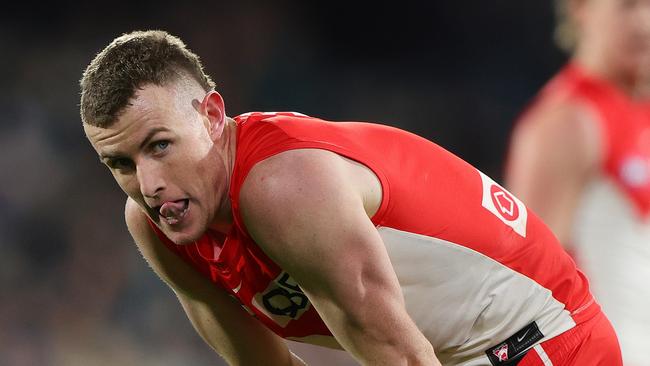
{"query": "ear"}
pixel 214 111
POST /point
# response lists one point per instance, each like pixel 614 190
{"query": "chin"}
pixel 186 236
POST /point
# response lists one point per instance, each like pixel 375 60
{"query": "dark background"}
pixel 73 288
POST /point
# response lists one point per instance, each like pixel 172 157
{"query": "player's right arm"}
pixel 222 323
pixel 554 153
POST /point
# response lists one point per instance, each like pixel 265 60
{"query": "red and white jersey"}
pixel 475 266
pixel 611 233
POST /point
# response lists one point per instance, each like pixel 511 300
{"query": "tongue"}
pixel 172 209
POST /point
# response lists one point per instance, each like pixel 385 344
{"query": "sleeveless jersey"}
pixel 611 232
pixel 474 264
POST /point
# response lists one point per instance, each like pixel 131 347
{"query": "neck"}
pixel 595 63
pixel 644 89
pixel 223 220
pixel 643 86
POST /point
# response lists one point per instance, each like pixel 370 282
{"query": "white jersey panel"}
pixel 613 247
pixel 465 302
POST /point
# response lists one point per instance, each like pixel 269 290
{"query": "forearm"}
pixel 237 338
pixel 407 346
pixel 381 334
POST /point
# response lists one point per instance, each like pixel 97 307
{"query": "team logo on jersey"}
pixel 501 352
pixel 504 202
pixel 635 171
pixel 515 347
pixel 282 300
pixel 504 205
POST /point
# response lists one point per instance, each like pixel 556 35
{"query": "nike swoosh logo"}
pixel 519 339
pixel 236 289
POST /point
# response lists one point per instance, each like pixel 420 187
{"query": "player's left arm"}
pixel 307 213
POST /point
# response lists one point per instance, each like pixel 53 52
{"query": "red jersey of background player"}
pixel 610 232
pixel 623 125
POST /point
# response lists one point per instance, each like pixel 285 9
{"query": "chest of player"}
pixel 261 286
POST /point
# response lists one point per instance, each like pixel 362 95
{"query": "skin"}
pixel 557 148
pixel 300 217
pixel 614 40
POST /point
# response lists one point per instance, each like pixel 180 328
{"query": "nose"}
pixel 151 179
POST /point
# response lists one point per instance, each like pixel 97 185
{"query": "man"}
pixel 349 235
pixel 580 158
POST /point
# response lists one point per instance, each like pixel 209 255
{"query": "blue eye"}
pixel 160 145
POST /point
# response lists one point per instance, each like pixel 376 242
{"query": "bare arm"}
pixel 221 322
pixel 306 214
pixel 553 155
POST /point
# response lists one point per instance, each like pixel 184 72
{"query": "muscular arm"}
pixel 221 322
pixel 553 155
pixel 307 214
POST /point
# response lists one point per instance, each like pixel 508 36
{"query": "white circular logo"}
pixel 635 171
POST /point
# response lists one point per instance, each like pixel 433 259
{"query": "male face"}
pixel 162 152
pixel 622 29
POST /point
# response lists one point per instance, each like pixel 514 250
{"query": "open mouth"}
pixel 172 212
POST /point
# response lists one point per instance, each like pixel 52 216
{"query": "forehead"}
pixel 152 108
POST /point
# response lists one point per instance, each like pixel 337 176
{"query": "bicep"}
pixel 316 228
pixel 217 317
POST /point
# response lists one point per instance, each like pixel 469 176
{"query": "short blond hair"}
pixel 566 33
pixel 129 62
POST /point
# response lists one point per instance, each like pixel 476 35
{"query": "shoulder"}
pixel 296 183
pixel 559 111
pixel 270 120
pixel 293 172
pixel 563 127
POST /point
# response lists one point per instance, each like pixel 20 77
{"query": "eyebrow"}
pixel 144 143
pixel 151 134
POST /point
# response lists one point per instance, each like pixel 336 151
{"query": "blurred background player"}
pixel 580 157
